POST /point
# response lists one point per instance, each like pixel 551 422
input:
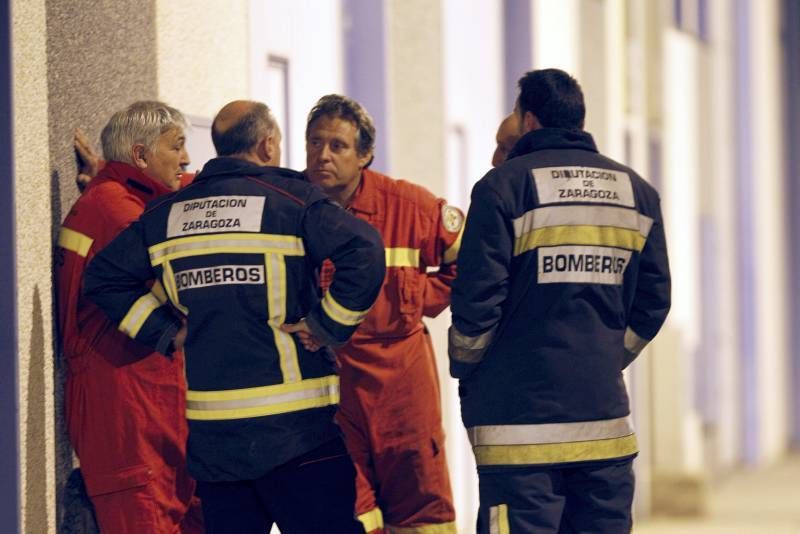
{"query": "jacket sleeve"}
pixel 356 249
pixel 441 249
pixel 117 281
pixel 651 301
pixel 481 287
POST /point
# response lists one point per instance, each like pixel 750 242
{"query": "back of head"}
pixel 554 97
pixel 340 107
pixel 142 122
pixel 240 125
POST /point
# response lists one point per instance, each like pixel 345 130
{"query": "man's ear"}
pixel 364 160
pixel 530 122
pixel 139 155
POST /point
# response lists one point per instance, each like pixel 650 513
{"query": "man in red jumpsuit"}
pixel 389 410
pixel 125 407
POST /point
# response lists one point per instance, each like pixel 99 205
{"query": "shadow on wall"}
pixel 35 427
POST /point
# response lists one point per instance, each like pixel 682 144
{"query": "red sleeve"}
pixel 441 249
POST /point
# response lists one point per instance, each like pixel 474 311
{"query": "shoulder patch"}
pixel 452 218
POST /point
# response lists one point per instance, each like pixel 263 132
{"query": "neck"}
pixel 345 195
pixel 252 158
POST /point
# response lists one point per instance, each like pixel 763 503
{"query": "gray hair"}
pixel 252 126
pixel 143 123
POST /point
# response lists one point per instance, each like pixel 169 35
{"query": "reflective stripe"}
pixel 451 253
pixel 435 528
pixel 633 342
pixel 75 241
pixel 339 313
pixel 276 306
pixel 549 453
pixel 372 520
pixel 549 432
pixel 138 314
pixel 498 519
pixel 262 401
pixel 171 288
pixel 606 236
pixel 402 257
pixel 232 243
pixel 582 216
pixel 468 349
pixel 158 291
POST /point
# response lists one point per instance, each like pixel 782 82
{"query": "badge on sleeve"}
pixel 452 218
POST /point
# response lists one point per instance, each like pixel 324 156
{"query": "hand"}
pixel 180 338
pixel 88 159
pixel 304 334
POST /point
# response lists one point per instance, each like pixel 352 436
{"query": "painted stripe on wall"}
pixel 517 46
pixel 745 181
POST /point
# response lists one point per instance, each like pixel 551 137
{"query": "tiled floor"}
pixel 746 502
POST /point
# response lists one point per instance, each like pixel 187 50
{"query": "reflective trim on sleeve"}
pixel 549 432
pixel 553 442
pixel 158 291
pixel 466 349
pixel 74 241
pixel 262 401
pixel 498 519
pixel 230 243
pixel 276 306
pixel 604 236
pixel 402 257
pixel 431 528
pixel 451 253
pixel 172 288
pixel 372 520
pixel 633 342
pixel 138 314
pixel 339 313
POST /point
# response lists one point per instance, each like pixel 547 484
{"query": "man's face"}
pixel 332 158
pixel 169 159
pixel 507 136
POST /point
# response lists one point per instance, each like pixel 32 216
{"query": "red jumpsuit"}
pixel 125 406
pixel 390 409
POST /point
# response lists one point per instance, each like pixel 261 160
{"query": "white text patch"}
pixel 582 264
pixel 556 185
pixel 215 214
pixel 219 275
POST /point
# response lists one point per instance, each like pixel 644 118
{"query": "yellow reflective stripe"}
pixel 262 401
pixel 372 520
pixel 172 288
pixel 229 243
pixel 498 519
pixel 402 257
pixel 549 453
pixel 522 434
pixel 604 236
pixel 434 528
pixel 75 241
pixel 158 291
pixel 339 313
pixel 138 314
pixel 582 216
pixel 451 253
pixel 276 306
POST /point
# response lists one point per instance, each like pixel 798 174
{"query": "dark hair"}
pixel 554 97
pixel 341 107
pixel 248 130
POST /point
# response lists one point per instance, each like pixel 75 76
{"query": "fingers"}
pixel 303 334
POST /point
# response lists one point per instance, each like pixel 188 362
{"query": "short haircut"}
pixel 143 123
pixel 253 126
pixel 341 107
pixel 554 97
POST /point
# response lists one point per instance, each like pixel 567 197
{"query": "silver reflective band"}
pixel 227 243
pixel 468 349
pixel 633 342
pixel 549 432
pixel 627 218
pixel 327 390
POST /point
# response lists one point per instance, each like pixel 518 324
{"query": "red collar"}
pixel 365 197
pixel 132 179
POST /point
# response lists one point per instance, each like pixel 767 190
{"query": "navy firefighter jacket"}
pixel 237 253
pixel 563 278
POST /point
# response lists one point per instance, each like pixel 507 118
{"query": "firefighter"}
pixel 563 279
pixel 236 252
pixel 390 411
pixel 506 137
pixel 124 403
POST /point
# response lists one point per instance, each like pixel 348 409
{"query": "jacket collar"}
pixel 365 198
pixel 238 167
pixel 132 179
pixel 547 138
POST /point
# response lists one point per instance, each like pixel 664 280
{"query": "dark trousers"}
pixel 312 493
pixel 594 497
